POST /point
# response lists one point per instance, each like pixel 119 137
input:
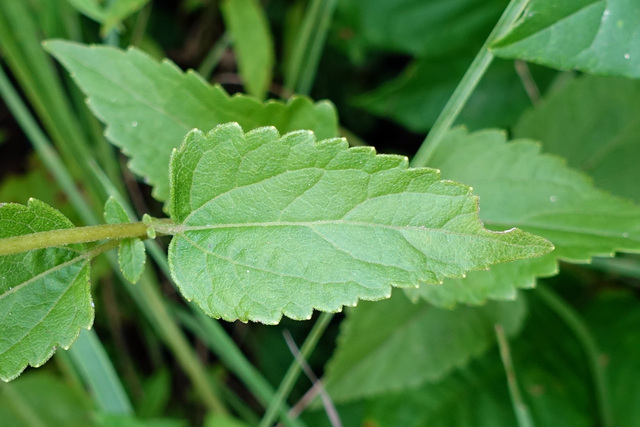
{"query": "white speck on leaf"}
pixel 627 56
pixel 134 123
pixel 553 199
pixel 625 235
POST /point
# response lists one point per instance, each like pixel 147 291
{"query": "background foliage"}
pixel 563 165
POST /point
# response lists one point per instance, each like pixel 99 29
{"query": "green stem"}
pixel 466 86
pixel 67 236
pixel 519 407
pixel 308 49
pixel 588 342
pixel 294 369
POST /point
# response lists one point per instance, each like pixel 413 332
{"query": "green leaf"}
pixel 117 11
pixel 596 36
pixel 393 345
pixel 267 225
pixel 45 295
pixel 149 107
pixel 41 399
pixel 420 27
pixel 592 122
pixel 131 252
pixel 415 98
pixel 252 43
pixel 520 187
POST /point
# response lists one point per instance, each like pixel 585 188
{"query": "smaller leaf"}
pixel 266 225
pixel 45 296
pixel 131 252
pixel 252 43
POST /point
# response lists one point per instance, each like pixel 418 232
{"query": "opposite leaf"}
pixel 596 36
pixel 149 107
pixel 521 187
pixel 267 225
pixel 131 252
pixel 44 294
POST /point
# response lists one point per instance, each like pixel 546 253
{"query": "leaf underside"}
pixel 268 225
pixel 149 107
pixel 45 295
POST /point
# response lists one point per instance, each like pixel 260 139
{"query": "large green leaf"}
pixel 252 43
pixel 592 122
pixel 149 106
pixel 597 36
pixel 394 345
pixel 520 187
pixel 45 296
pixel 267 225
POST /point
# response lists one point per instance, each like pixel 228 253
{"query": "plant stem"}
pixel 519 407
pixel 466 86
pixel 588 343
pixel 67 236
pixel 307 51
pixel 294 369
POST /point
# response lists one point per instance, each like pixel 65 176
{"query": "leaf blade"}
pixel 279 214
pixel 591 35
pixel 45 296
pixel 149 107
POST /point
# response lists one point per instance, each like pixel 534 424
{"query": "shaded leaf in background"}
pixel 393 345
pixel 415 98
pixel 131 252
pixel 149 107
pixel 267 225
pixel 90 8
pixel 521 187
pixel 39 398
pixel 423 28
pixel 45 296
pixel 593 122
pixel 596 36
pixel 252 43
pixel 551 370
pixel 615 320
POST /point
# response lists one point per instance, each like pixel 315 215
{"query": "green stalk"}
pixel 68 236
pixel 22 408
pixel 519 407
pixel 589 346
pixel 466 86
pixel 293 372
pixel 308 49
pixel 210 62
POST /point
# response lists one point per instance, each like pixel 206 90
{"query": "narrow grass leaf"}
pixel 269 225
pixel 45 295
pixel 149 107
